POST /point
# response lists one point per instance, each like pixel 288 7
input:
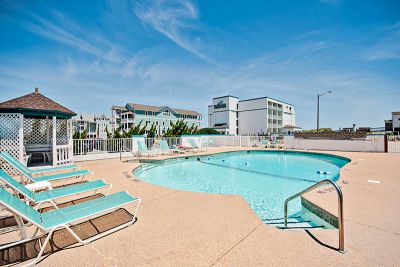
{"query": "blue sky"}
pixel 89 55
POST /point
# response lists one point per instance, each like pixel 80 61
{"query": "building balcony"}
pixel 127 120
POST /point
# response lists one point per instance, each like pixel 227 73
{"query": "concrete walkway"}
pixel 179 228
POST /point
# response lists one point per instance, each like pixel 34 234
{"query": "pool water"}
pixel 265 179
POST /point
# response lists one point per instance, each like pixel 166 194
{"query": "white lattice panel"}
pixel 35 131
pixel 9 138
pixel 61 131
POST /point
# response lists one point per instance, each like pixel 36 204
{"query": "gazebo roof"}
pixel 36 104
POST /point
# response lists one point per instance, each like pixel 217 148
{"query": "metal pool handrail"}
pixel 340 207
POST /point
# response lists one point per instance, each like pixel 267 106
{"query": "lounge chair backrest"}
pixel 193 143
pixel 164 145
pixel 142 146
pixel 16 185
pixel 19 207
pixel 16 163
pixel 7 156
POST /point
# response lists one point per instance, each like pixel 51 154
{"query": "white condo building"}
pixel 263 115
pixel 132 114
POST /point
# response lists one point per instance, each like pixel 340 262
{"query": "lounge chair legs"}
pixel 21 226
pixel 42 247
pixel 83 242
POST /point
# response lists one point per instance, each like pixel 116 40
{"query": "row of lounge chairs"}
pixel 17 198
pixel 269 144
pixel 165 149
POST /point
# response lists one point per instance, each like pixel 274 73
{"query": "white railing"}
pixel 119 147
pixel 393 142
pixel 64 154
pixel 93 146
pixel 96 146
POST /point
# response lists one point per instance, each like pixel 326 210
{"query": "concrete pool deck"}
pixel 198 229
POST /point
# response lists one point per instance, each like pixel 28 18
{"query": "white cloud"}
pixel 64 31
pixel 174 19
pixel 388 48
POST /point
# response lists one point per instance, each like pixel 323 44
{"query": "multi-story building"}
pixel 263 115
pixel 162 117
pixel 121 118
pixel 393 125
pixel 96 126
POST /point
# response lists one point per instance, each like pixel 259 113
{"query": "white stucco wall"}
pixel 253 116
pixel 252 122
pixel 373 143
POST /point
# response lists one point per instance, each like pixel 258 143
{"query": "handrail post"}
pixel 341 221
pixel 340 208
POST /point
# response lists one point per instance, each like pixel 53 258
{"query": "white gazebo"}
pixel 35 129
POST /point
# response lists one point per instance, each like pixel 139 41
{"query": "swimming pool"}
pixel 263 178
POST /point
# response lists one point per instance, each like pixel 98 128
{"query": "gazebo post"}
pixel 69 138
pixel 54 146
pixel 47 130
pixel 21 138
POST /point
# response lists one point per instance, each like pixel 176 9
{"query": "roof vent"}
pixel 36 90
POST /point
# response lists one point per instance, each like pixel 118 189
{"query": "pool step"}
pixel 293 223
pixel 300 227
pixel 147 166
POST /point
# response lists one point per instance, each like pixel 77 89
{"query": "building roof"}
pixel 157 108
pixel 266 97
pixel 396 113
pixel 186 112
pixel 119 107
pixel 291 127
pixel 226 96
pixel 36 104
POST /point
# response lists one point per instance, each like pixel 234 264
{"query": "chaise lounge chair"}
pixel 41 171
pixel 265 143
pixel 53 220
pixel 166 149
pixel 143 150
pixel 193 144
pixel 26 172
pixel 51 196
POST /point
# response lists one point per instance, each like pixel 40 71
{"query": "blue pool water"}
pixel 263 178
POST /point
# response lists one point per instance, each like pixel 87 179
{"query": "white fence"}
pixel 92 149
pixel 92 146
pixel 393 143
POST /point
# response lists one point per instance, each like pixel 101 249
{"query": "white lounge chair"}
pixel 51 196
pixel 143 150
pixel 165 149
pixel 49 222
pixel 27 173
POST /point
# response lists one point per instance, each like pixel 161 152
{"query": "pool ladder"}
pixel 340 207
